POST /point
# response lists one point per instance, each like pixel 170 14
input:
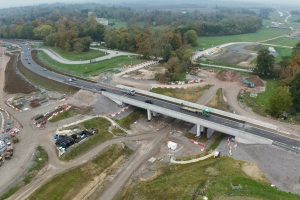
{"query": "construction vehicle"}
pixel 248 83
pixel 205 112
pixel 8 153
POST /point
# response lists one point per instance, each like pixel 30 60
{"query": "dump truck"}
pixel 248 83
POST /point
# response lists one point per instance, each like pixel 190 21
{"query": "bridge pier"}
pixel 198 132
pixel 149 115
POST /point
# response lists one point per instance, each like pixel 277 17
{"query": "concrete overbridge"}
pixel 243 129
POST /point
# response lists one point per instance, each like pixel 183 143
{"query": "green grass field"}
pixel 283 52
pixel 117 24
pixel 91 54
pixel 285 41
pixel 262 34
pixel 68 184
pixel 215 178
pixel 131 118
pixel 87 69
pixel 189 94
pixel 103 135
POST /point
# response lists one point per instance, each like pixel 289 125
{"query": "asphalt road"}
pixel 29 63
pixel 110 54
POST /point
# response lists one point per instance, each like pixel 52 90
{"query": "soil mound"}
pixel 14 83
pixel 230 76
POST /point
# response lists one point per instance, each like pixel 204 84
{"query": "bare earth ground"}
pixel 279 166
pixel 240 54
pixel 13 82
pixel 12 169
pixel 253 171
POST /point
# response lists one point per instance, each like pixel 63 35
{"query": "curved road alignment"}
pixel 110 54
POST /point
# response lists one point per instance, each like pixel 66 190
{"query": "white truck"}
pixel 130 92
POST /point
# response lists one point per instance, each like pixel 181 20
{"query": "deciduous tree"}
pixel 265 64
pixel 295 91
pixel 281 101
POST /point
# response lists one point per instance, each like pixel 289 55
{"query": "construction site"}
pixel 107 146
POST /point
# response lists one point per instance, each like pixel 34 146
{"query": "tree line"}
pixel 218 21
pixel 285 98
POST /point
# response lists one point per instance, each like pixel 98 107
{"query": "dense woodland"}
pixel 166 34
pixel 158 33
pixel 220 21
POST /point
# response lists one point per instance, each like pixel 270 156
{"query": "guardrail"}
pixel 281 145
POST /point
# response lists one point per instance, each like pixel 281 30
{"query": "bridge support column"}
pixel 149 115
pixel 198 130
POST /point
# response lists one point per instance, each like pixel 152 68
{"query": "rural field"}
pixel 88 69
pixel 285 41
pixel 261 35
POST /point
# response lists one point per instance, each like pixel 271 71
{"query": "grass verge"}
pixel 44 82
pixel 214 178
pixel 91 54
pixel 131 118
pixel 86 70
pixel 102 125
pixel 188 94
pixel 40 160
pixel 118 132
pixel 68 184
pixel 61 116
pixel 218 101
